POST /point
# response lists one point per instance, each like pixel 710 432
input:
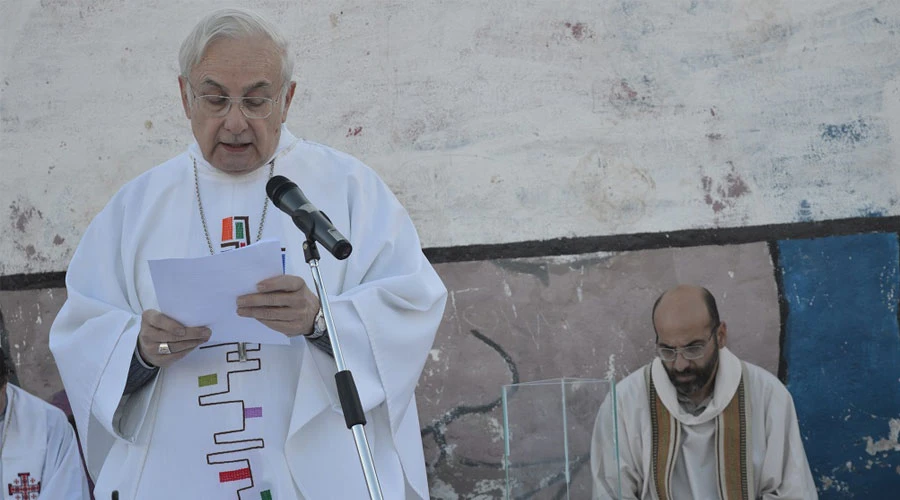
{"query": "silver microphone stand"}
pixel 354 415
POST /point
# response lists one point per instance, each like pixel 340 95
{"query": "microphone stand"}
pixel 354 416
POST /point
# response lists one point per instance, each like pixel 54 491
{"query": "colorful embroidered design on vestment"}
pixel 232 445
pixel 235 232
pixel 207 380
pixel 234 475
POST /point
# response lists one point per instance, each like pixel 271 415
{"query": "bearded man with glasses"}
pixel 697 422
pixel 163 413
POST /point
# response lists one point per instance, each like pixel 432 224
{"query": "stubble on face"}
pixel 691 381
pixel 682 318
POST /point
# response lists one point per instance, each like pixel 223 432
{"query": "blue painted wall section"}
pixel 842 348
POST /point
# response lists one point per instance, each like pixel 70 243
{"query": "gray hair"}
pixel 234 24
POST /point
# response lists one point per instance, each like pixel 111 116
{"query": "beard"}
pixel 693 379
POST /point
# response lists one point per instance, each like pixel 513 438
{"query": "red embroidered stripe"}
pixel 234 475
pixel 227 229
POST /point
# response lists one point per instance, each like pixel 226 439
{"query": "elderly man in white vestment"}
pixel 165 414
pixel 39 455
pixel 698 423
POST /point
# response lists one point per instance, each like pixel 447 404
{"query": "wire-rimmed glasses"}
pixel 695 351
pixel 216 106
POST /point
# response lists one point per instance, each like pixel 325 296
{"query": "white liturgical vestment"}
pixel 270 427
pixel 746 442
pixel 39 455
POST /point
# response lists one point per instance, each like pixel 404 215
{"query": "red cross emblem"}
pixel 25 487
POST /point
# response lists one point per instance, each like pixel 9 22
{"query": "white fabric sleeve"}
pixel 607 470
pixel 63 475
pixel 390 303
pixel 785 469
pixel 94 336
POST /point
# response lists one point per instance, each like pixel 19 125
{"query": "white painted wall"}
pixel 493 121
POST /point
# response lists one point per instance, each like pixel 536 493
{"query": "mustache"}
pixel 693 377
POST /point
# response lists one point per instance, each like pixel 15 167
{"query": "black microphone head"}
pixel 342 249
pixel 276 186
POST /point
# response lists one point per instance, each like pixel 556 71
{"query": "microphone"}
pixel 314 224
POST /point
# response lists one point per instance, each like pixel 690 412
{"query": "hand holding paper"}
pixel 157 329
pixel 204 291
pixel 284 303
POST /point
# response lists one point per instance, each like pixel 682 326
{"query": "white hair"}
pixel 234 24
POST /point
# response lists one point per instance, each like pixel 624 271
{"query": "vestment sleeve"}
pixel 63 475
pixel 94 336
pixel 607 469
pixel 390 303
pixel 785 470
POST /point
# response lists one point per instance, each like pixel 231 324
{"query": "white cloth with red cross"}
pixel 40 455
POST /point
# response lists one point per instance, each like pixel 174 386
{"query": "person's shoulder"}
pixel 760 374
pixel 765 382
pixel 338 171
pixel 330 158
pixel 635 377
pixel 166 170
pixel 312 148
pixel 33 405
pixel 157 177
pixel 633 386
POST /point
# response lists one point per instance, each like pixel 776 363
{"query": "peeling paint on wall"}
pixel 842 348
pixel 885 444
pixel 488 121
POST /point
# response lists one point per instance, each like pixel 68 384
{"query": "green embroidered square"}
pixel 205 380
pixel 266 495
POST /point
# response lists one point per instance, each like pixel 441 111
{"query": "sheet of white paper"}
pixel 203 291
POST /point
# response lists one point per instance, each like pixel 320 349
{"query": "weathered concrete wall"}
pixel 827 306
pixel 25 317
pixel 583 316
pixel 493 121
pixel 503 122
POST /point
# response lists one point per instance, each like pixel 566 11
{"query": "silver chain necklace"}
pixel 262 220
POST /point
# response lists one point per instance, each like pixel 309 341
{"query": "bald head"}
pixel 685 306
pixel 686 321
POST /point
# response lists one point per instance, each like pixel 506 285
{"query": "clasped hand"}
pixel 283 303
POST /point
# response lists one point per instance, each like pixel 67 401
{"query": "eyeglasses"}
pixel 217 106
pixel 690 352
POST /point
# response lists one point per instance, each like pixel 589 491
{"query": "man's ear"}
pixel 288 98
pixel 185 102
pixel 722 335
